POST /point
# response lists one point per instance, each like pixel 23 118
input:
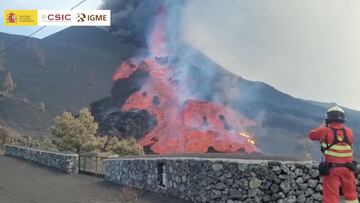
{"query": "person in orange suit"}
pixel 338 169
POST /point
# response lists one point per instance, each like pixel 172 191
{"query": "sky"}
pixel 308 49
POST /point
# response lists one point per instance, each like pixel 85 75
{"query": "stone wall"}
pixel 219 180
pixel 68 163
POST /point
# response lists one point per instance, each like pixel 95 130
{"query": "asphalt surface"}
pixel 25 182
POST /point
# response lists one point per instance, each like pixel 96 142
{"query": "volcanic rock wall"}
pixel 68 163
pixel 219 180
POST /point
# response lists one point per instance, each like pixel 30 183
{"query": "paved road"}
pixel 24 182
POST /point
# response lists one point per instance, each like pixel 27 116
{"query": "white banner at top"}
pixel 74 17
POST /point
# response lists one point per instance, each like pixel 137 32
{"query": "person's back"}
pixel 340 152
pixel 338 168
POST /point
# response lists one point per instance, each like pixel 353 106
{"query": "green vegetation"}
pixel 74 134
pixel 124 147
pixel 7 137
pixel 77 134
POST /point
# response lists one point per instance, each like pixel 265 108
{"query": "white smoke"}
pixel 289 44
pixel 134 19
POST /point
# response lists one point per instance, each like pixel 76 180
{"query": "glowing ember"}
pixel 249 138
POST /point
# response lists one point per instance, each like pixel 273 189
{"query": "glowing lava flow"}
pixel 184 124
pixel 183 127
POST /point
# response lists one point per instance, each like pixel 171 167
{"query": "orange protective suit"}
pixel 338 153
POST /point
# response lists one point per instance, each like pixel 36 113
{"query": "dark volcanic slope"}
pixel 67 70
pixel 73 68
pixel 282 120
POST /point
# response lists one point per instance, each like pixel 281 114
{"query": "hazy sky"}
pixel 308 49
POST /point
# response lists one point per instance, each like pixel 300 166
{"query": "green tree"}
pixel 124 147
pixel 76 134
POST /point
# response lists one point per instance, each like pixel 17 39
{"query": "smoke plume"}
pixel 240 30
pixel 134 19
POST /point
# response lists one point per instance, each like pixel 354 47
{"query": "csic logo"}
pixel 56 17
pixel 11 18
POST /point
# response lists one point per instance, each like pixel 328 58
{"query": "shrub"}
pixel 46 143
pixel 124 147
pixel 8 137
pixel 76 134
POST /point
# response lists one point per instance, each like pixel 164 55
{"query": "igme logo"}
pixel 82 17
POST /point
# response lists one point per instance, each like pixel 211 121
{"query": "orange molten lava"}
pixel 184 125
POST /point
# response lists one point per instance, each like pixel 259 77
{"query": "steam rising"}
pixel 158 25
pixel 134 19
